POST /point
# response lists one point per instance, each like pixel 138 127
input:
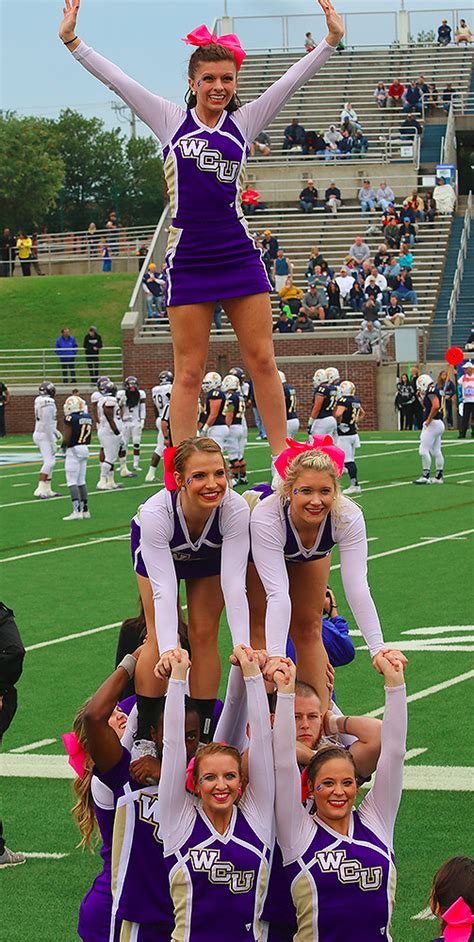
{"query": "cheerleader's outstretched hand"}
pixel 67 29
pixel 334 23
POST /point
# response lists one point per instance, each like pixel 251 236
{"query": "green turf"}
pixel 55 594
pixel 69 300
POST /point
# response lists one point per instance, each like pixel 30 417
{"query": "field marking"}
pixel 72 637
pixel 24 484
pixel 410 546
pixel 31 766
pixel 42 539
pixel 42 856
pixel 411 754
pixel 92 493
pixel 33 745
pixel 434 778
pixel 429 691
pixel 383 487
pixel 424 914
pixel 439 630
pixel 62 549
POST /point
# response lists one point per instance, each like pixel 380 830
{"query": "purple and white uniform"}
pixel 217 881
pixel 276 545
pixel 343 887
pixel 94 912
pixel 205 173
pixel 163 551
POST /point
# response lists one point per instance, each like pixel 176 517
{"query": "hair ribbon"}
pixel 77 755
pixel 202 37
pixel 316 443
pixel 459 921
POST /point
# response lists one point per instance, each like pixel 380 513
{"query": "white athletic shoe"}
pixel 75 515
pixel 125 473
pixel 136 467
pixel 437 481
pixel 102 485
pixel 234 482
pixel 150 476
pixel 86 515
pixel 423 480
pixel 40 491
pixel 353 489
pixel 113 486
pixel 10 859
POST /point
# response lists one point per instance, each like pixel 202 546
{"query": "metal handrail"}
pixel 34 364
pixel 463 246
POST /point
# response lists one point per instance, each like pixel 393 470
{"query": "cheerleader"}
pixel 217 850
pixel 432 431
pixel 211 255
pixel 340 861
pixel 452 899
pixel 293 533
pixel 347 414
pixel 200 534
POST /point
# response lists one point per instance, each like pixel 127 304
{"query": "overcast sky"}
pixel 38 76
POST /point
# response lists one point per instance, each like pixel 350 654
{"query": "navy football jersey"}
pixel 235 403
pixel 216 394
pixel 81 428
pixel 350 416
pixel 290 401
pixel 329 393
pixel 428 402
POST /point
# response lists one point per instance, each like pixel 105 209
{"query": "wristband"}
pixel 129 663
pixel 346 720
pixel 331 723
pixel 68 43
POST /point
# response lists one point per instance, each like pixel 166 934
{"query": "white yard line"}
pixel 33 745
pixel 410 546
pixel 30 766
pixel 42 856
pixel 62 549
pixel 444 629
pixel 73 636
pixel 429 691
pixel 383 487
pixel 411 754
pixel 424 914
pixel 38 501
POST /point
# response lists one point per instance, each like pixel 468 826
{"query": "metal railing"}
pixel 387 147
pixel 156 254
pixel 448 141
pixel 54 248
pixel 463 102
pixel 33 365
pixel 451 316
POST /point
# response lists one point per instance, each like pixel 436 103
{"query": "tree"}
pixel 32 170
pixel 144 199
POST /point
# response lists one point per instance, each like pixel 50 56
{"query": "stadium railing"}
pixel 79 247
pixel 451 316
pixel 33 365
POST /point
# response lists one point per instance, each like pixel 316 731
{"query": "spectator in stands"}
pixel 332 137
pixel 284 322
pixel 292 295
pixel 385 196
pixel 282 267
pixel 406 232
pixel 424 89
pixel 294 137
pixel 391 233
pixel 153 287
pixel 430 207
pixel 346 144
pixel 316 258
pixel 381 258
pixel 410 128
pixel 357 296
pixel 334 309
pixel 394 315
pixel 404 289
pixel 267 261
pixel 431 100
pixel 361 143
pixel 5 397
pixel 469 345
pixel 405 259
pixel 444 33
pixel 270 243
pixel 370 312
pixel 448 95
pixel 444 197
pixel 308 197
pixel 92 239
pixel 448 395
pixel 66 352
pixel 311 304
pixel 395 93
pixel 391 270
pixel 251 202
pixel 368 339
pixel 23 248
pixel 381 95
pixel 104 252
pixel 463 33
pixel 345 283
pixel 332 197
pixel 412 98
pixel 261 146
pixel 318 144
pixel 7 253
pixel 404 402
pixel 350 113
pixel 321 280
pixel 416 204
pixel 359 250
pixel 309 43
pixel 348 126
pixel 92 344
pixel 302 324
pixel 141 254
pixel 380 281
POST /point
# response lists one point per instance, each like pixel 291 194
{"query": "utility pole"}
pixel 127 116
pixel 403 25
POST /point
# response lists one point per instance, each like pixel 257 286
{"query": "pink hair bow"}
pixel 189 776
pixel 77 754
pixel 459 922
pixel 315 443
pixel 202 37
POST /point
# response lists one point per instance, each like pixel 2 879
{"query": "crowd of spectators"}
pixel 342 140
pixel 463 33
pixel 23 247
pixel 67 347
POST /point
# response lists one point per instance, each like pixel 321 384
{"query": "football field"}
pixel 71 584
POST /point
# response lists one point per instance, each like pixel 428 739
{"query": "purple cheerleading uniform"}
pixel 210 253
pixel 95 908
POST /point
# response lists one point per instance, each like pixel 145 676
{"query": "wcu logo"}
pixel 221 871
pixel 148 812
pixel 208 159
pixel 349 871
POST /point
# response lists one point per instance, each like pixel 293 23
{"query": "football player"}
pixel 215 426
pixel 46 436
pixel 432 431
pixel 322 421
pixel 76 439
pixel 110 435
pixel 245 390
pixel 292 420
pixel 161 395
pixel 347 414
pixel 132 402
pixel 234 411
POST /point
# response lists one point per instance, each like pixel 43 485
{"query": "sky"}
pixel 38 76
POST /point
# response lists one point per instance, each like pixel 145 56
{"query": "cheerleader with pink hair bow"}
pixel 292 536
pixel 452 899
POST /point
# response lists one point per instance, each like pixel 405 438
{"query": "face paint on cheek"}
pixel 199 83
pixel 296 491
pixel 189 480
pixel 319 788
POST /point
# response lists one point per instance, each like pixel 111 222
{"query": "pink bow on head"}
pixel 202 37
pixel 77 754
pixel 459 922
pixel 315 443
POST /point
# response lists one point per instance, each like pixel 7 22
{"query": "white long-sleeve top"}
pixel 45 416
pixel 163 117
pixel 268 536
pixel 157 524
pixel 232 724
pixel 178 808
pixel 378 810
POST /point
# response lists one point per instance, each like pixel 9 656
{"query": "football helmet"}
pixel 319 377
pixel 347 388
pixel 230 383
pixel 101 381
pixel 211 380
pixel 332 374
pixel 282 376
pixel 237 371
pixel 165 376
pixel 131 382
pixel 47 389
pixel 423 383
pixel 108 388
pixel 73 404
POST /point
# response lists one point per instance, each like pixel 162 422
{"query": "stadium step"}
pixel 438 340
pixel 431 143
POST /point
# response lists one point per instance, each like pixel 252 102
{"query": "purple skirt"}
pixel 95 912
pixel 205 265
pixel 184 568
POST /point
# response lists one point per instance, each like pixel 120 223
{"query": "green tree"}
pixel 32 170
pixel 144 200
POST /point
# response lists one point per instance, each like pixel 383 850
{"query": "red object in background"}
pixel 454 356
